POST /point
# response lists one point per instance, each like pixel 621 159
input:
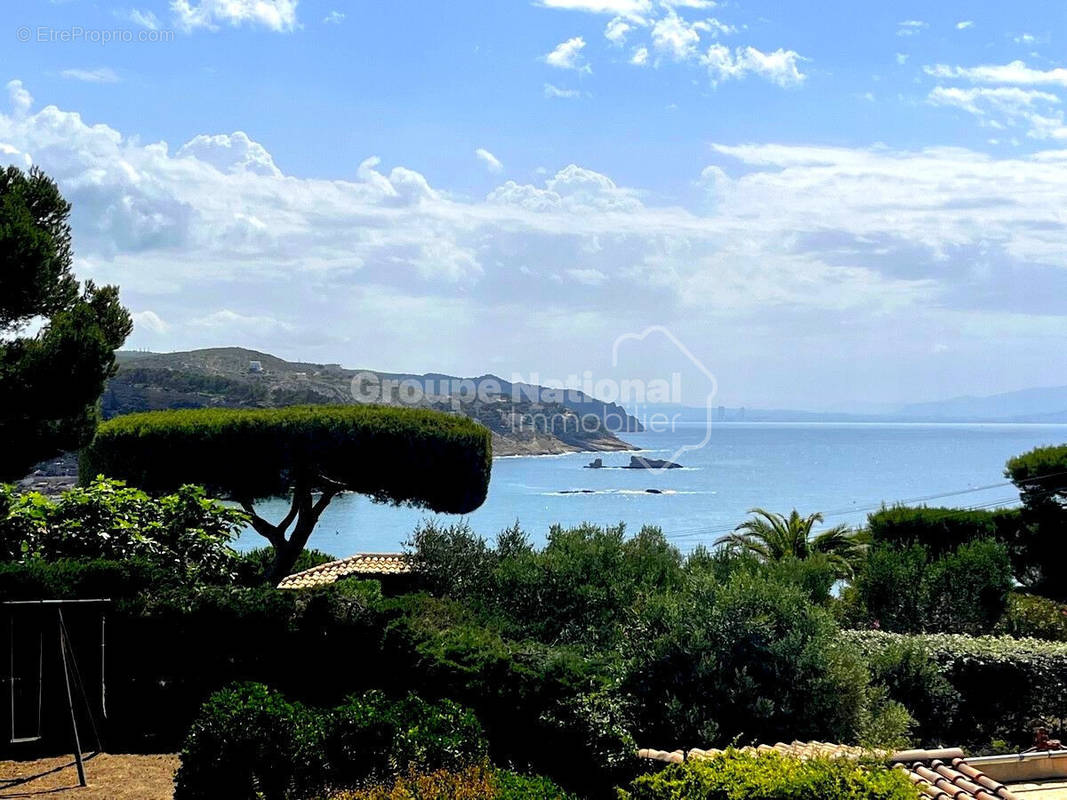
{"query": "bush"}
pixel 481 782
pixel 249 741
pixel 1030 616
pixel 941 530
pixel 735 775
pixel 184 531
pixel 1005 686
pixel 70 580
pixel 904 589
pixel 750 659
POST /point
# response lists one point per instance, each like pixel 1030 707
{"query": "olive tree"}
pixel 403 456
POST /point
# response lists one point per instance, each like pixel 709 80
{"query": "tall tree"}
pixel 772 537
pixel 57 337
pixel 309 454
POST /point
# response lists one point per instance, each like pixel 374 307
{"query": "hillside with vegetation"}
pixel 233 377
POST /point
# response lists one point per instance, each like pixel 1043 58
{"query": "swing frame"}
pixel 70 670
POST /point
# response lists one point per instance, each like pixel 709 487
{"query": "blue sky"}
pixel 830 203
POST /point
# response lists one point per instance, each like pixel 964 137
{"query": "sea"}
pixel 843 470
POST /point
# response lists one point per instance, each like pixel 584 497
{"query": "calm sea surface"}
pixel 842 470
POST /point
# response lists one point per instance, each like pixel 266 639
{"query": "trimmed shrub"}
pixel 70 580
pixel 941 530
pixel 1030 616
pixel 735 775
pixel 399 455
pixel 249 741
pixel 481 782
pixel 1004 685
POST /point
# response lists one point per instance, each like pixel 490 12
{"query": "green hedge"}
pixel 398 455
pixel 1041 474
pixel 1003 684
pixel 736 775
pixel 249 741
pixel 941 529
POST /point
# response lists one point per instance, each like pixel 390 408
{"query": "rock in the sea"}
pixel 596 463
pixel 636 462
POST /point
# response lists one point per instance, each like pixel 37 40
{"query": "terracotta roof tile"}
pixel 939 774
pixel 369 564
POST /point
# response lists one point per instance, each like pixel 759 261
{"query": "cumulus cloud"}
pixel 616 30
pixel 568 55
pixel 492 163
pixel 274 15
pixel 963 25
pixel 334 18
pixel 639 57
pixel 213 244
pixel 623 8
pixel 98 75
pixel 144 18
pixel 779 67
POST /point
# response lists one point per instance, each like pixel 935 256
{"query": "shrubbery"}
pixel 1003 685
pixel 249 741
pixel 1036 617
pixel 481 782
pixel 735 775
pixel 185 532
pixel 904 588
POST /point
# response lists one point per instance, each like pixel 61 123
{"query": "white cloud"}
pixel 616 30
pixel 639 58
pixel 902 58
pixel 1015 72
pixel 779 67
pixel 98 75
pixel 622 8
pixel 568 55
pixel 275 15
pixel 566 94
pixel 1025 38
pixel 334 18
pixel 149 321
pixel 20 97
pixel 964 24
pixel 675 37
pixel 143 17
pixel 940 245
pixel 910 27
pixel 491 162
pixel 230 153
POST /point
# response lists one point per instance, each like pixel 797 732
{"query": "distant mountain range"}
pixel 525 420
pixel 1046 404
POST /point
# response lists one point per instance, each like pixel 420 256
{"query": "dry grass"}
pixel 110 777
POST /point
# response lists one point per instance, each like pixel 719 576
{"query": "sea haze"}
pixel 840 469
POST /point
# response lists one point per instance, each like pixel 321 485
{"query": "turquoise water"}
pixel 843 470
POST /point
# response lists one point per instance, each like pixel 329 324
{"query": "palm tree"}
pixel 773 537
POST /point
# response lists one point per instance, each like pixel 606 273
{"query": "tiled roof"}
pixel 938 774
pixel 369 564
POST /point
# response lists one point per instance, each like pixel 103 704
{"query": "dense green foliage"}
pixel 736 775
pixel 249 741
pixel 904 588
pixel 480 782
pixel 940 530
pixel 1041 475
pixel 49 382
pixel 185 531
pixel 1003 684
pixel 1035 617
pixel 398 455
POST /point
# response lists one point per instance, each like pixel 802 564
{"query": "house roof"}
pixel 938 774
pixel 372 565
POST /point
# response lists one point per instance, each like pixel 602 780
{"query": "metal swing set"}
pixel 28 676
